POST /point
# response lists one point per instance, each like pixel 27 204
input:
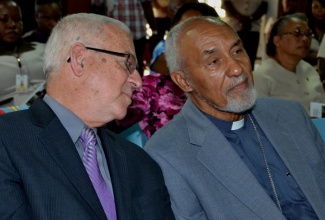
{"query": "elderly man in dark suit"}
pixel 56 162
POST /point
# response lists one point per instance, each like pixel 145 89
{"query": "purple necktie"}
pixel 89 159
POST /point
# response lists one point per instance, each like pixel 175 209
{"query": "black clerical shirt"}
pixel 243 138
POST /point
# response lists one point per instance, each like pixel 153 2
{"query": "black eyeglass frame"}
pixel 299 34
pixel 126 55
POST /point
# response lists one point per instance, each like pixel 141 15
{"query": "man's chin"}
pixel 243 103
pixel 121 114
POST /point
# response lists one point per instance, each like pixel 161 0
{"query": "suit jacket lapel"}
pixel 289 152
pixel 62 150
pixel 226 166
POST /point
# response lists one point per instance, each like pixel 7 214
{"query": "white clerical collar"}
pixel 237 124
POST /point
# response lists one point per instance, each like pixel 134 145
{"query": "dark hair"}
pixel 203 8
pixel 277 30
pixel 309 7
pixel 44 2
pixel 311 18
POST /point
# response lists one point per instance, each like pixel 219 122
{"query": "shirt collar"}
pixel 225 126
pixel 71 122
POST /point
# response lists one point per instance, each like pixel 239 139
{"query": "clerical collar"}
pixel 226 125
pixel 238 124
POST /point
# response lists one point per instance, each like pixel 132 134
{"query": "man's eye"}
pixel 238 51
pixel 297 33
pixel 213 62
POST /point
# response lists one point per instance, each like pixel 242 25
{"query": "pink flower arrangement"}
pixel 154 104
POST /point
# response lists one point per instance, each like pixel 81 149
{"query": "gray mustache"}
pixel 237 80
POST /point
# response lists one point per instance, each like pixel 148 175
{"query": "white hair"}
pixel 84 28
pixel 172 53
pixel 175 62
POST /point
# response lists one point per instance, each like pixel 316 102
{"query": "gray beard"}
pixel 240 104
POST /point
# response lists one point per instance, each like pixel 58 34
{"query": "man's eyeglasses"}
pixel 130 61
pixel 299 34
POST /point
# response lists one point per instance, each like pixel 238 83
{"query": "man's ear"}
pixel 181 80
pixel 276 40
pixel 77 55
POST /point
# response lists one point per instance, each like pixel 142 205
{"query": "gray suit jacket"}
pixel 206 178
pixel 42 175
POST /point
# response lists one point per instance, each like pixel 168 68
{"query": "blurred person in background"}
pixel 47 14
pixel 288 7
pixel 160 9
pixel 27 8
pixel 174 5
pixel 18 58
pixel 190 9
pixel 285 74
pixel 316 22
pixel 135 14
pixel 321 61
pixel 158 62
pixel 245 18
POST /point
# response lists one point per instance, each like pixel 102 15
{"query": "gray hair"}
pixel 172 53
pixel 84 28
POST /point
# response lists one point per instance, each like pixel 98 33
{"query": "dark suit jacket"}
pixel 42 175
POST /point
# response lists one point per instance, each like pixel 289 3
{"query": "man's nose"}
pixel 234 68
pixel 136 80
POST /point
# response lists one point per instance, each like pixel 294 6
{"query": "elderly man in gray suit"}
pixel 227 155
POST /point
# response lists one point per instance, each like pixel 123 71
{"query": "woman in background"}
pixel 284 74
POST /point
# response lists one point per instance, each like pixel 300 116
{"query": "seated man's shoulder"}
pixel 11 121
pixel 267 101
pixel 277 105
pixel 305 67
pixel 172 134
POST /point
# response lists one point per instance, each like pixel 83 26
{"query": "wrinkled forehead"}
pixel 200 35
